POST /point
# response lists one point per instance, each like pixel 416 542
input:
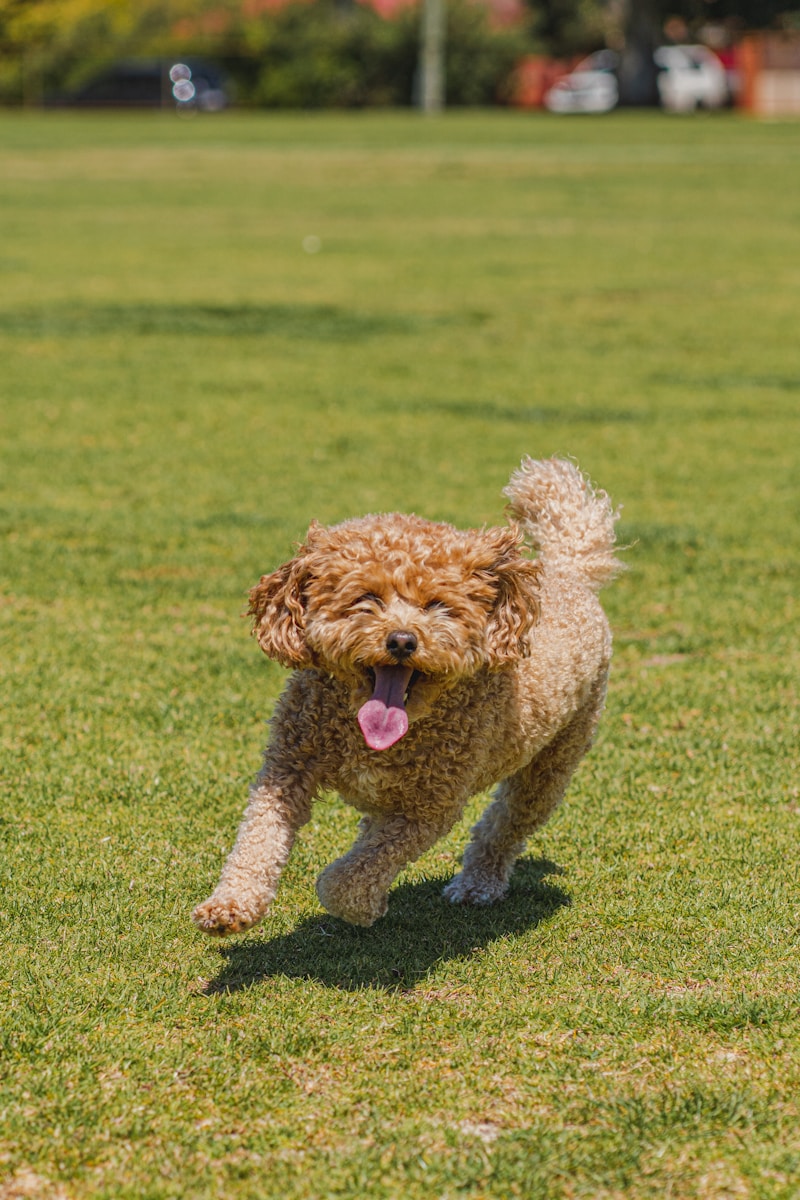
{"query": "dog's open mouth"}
pixel 383 719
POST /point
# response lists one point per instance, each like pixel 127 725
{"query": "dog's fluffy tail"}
pixel 570 524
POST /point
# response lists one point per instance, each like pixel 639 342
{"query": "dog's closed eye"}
pixel 367 603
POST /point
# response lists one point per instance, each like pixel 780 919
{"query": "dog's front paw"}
pixel 220 915
pixel 348 895
pixel 473 888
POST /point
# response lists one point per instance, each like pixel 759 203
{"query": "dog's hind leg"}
pixel 355 887
pixel 522 803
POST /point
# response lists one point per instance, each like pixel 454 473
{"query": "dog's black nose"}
pixel 401 644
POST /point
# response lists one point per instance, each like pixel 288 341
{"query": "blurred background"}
pixel 565 55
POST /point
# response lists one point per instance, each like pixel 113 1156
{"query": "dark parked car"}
pixel 151 84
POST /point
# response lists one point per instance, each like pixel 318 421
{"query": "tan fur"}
pixel 511 661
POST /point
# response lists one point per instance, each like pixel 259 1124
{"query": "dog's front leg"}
pixel 355 886
pixel 278 806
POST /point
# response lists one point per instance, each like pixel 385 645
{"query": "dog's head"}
pixel 398 608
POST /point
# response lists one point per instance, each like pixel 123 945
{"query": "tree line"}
pixel 336 53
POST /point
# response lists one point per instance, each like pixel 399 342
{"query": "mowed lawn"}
pixel 213 331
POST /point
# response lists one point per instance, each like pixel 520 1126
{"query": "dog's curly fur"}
pixel 510 658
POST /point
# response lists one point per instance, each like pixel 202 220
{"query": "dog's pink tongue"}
pixel 383 719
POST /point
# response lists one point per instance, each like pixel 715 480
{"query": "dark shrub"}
pixel 320 55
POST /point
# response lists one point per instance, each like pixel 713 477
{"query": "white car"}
pixel 590 88
pixel 690 77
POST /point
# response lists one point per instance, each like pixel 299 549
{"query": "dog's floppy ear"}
pixel 516 608
pixel 277 605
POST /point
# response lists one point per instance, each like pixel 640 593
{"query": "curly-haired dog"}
pixel 430 662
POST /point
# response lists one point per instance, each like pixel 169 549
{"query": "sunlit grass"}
pixel 184 388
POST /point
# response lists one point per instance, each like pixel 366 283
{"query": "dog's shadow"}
pixel 421 930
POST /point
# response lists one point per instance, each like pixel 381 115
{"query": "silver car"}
pixel 590 88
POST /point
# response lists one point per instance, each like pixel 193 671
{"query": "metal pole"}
pixel 431 91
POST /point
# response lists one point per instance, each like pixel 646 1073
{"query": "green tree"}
pixel 323 55
pixel 48 42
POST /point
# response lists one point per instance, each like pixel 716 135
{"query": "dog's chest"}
pixel 409 777
pixel 433 769
pixel 391 780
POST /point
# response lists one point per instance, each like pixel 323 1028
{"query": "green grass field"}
pixel 184 387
